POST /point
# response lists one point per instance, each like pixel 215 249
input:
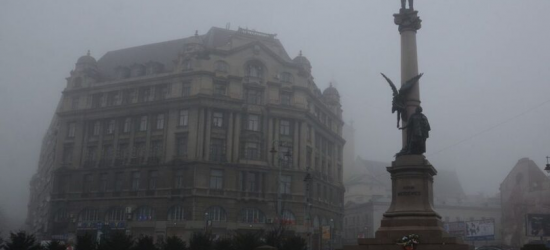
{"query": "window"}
pixel 122 152
pixel 309 153
pixel 89 215
pixel 252 150
pixel 176 213
pixel 75 102
pixel 108 152
pixel 160 121
pixel 143 123
pixel 285 98
pixel 71 129
pixel 221 66
pixel 119 181
pixel 250 181
pixel 308 133
pixel 96 128
pixel 103 182
pixel 87 184
pixel 161 92
pixel 288 217
pixel 97 100
pixel 128 96
pixel 217 149
pixel 285 186
pixel 178 180
pixel 144 214
pixel 183 118
pixel 187 65
pixel 220 89
pixel 216 179
pixel 285 155
pixel 135 181
pixel 253 96
pixel 181 147
pixel 215 213
pixel 112 98
pixel 114 214
pixel 110 127
pixel 138 152
pixel 156 149
pixel 217 119
pixel 153 176
pixel 255 70
pixel 286 77
pixel 186 89
pixel 251 215
pixel 61 215
pixel 144 95
pixel 92 153
pixel 127 125
pixel 253 123
pixel 68 153
pixel 284 127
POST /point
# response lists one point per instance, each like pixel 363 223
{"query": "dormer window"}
pixel 221 66
pixel 286 77
pixel 255 70
pixel 122 72
pixel 138 70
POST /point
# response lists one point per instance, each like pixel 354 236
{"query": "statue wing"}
pixel 405 88
pixel 394 89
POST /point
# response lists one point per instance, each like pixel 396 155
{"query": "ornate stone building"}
pixel 214 131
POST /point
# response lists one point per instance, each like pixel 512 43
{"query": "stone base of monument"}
pixel 411 210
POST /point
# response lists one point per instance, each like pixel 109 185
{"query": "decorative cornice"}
pixel 408 20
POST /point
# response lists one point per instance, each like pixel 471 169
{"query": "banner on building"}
pixel 325 232
pixel 480 230
pixel 456 229
pixel 538 225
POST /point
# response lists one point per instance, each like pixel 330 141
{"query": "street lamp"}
pixel 307 181
pixel 273 151
pixel 547 168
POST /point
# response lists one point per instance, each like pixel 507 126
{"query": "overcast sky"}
pixel 485 88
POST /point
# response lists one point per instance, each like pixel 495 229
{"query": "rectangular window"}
pixel 253 123
pixel 186 89
pixel 220 89
pixel 217 119
pixel 183 118
pixel 71 129
pixel 112 98
pixel 217 149
pixel 308 133
pixel 138 152
pixel 156 148
pixel 110 127
pixel 153 177
pixel 87 184
pixel 309 153
pixel 96 128
pixel 161 92
pixel 96 100
pixel 181 147
pixel 135 181
pixel 252 150
pixel 284 127
pixel 122 153
pixel 286 181
pixel 178 181
pixel 253 96
pixel 160 122
pixel 285 98
pixel 128 96
pixel 68 153
pixel 253 182
pixel 92 154
pixel 216 179
pixel 285 156
pixel 103 182
pixel 75 102
pixel 119 181
pixel 143 123
pixel 107 152
pixel 127 125
pixel 144 95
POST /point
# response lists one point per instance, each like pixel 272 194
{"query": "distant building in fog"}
pixel 175 137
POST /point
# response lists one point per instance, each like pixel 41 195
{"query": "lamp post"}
pixel 273 151
pixel 547 168
pixel 307 181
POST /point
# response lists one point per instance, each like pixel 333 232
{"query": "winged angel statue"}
pixel 398 102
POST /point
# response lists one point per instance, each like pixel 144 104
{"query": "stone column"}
pixel 409 23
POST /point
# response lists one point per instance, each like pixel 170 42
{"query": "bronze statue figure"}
pixel 404 4
pixel 418 130
pixel 398 102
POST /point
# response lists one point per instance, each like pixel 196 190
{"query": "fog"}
pixel 485 88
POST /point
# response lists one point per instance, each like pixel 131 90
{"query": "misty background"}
pixel 485 88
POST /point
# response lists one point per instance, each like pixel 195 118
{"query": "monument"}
pixel 411 221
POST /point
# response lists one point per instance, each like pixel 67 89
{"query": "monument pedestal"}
pixel 411 210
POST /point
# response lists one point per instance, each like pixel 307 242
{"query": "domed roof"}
pixel 86 59
pixel 331 91
pixel 300 59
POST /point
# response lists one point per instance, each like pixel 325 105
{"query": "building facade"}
pixel 211 132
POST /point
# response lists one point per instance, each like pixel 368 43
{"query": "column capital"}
pixel 407 20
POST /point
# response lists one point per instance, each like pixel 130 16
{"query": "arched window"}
pixel 215 213
pixel 286 77
pixel 88 215
pixel 144 214
pixel 61 215
pixel 316 222
pixel 251 215
pixel 114 214
pixel 324 221
pixel 221 66
pixel 255 69
pixel 288 217
pixel 176 213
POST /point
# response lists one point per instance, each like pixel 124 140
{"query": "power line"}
pixel 490 128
